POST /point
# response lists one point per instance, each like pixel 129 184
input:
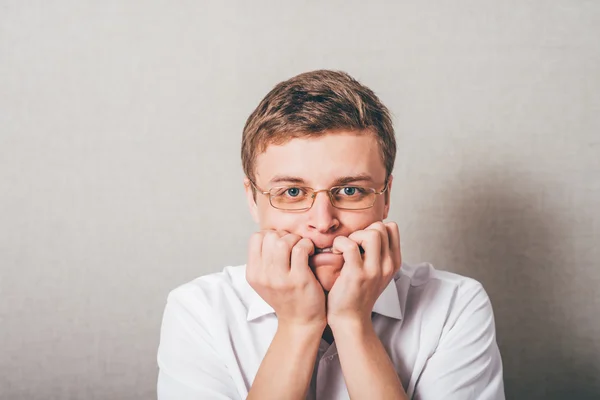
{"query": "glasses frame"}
pixel 314 196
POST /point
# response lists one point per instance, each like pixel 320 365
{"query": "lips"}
pixel 324 245
pixel 323 250
pixel 325 260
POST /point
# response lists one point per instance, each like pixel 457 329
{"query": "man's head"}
pixel 319 130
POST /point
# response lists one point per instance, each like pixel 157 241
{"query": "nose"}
pixel 322 214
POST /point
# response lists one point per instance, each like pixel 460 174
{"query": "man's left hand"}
pixel 363 277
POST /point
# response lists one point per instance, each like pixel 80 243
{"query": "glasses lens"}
pixel 353 197
pixel 291 198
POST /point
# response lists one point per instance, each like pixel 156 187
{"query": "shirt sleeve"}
pixel 466 364
pixel 189 366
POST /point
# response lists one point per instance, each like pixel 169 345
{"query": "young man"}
pixel 324 307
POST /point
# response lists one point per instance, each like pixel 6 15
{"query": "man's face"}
pixel 321 163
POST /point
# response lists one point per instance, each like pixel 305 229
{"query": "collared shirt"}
pixel 437 328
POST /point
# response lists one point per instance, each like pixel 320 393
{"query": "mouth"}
pixel 319 250
pixel 325 250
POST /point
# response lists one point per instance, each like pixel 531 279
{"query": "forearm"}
pixel 286 369
pixel 367 368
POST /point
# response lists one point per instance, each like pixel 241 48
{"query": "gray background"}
pixel 120 178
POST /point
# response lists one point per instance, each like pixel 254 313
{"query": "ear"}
pixel 387 195
pixel 250 199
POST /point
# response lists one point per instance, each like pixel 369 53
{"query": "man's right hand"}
pixel 278 271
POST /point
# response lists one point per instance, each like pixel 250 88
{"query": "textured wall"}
pixel 120 178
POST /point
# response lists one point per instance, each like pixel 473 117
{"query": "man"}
pixel 324 307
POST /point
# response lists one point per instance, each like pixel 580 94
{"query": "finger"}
pixel 303 249
pixel 254 255
pixel 385 244
pixel 290 239
pixel 395 248
pixel 282 252
pixel 271 255
pixel 349 250
pixel 370 240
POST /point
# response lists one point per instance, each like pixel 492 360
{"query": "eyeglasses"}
pixel 298 198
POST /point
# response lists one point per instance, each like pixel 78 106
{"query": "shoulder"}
pixel 425 277
pixel 446 295
pixel 221 290
pixel 452 316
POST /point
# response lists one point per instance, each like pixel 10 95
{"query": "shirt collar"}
pixel 388 304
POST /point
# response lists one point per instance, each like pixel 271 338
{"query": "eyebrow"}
pixel 285 178
pixel 355 178
pixel 338 182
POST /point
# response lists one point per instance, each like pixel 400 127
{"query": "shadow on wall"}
pixel 503 238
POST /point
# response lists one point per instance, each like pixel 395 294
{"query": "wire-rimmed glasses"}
pixel 301 198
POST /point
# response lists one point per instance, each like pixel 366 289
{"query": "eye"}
pixel 293 191
pixel 349 190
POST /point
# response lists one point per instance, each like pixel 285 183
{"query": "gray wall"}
pixel 120 125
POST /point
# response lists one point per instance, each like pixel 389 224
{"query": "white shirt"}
pixel 437 327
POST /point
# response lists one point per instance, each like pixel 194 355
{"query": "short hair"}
pixel 313 104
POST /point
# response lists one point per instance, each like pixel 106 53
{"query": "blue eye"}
pixel 349 191
pixel 293 192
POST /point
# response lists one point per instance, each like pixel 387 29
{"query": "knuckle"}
pixel 366 276
pixel 339 240
pixel 354 234
pixel 282 245
pixel 379 225
pixel 372 234
pixel 256 236
pixel 270 235
pixel 354 247
pixel 294 237
pixel 372 273
pixel 255 239
pixel 388 269
pixel 299 250
pixel 305 242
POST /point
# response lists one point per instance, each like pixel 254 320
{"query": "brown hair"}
pixel 311 104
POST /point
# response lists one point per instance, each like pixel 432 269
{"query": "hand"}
pixel 363 278
pixel 278 270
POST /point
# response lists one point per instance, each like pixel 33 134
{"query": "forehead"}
pixel 323 159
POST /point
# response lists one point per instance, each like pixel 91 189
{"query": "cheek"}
pixel 271 218
pixel 360 220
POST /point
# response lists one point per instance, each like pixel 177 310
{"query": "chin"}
pixel 327 275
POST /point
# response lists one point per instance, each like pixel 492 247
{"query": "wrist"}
pixel 298 331
pixel 355 325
